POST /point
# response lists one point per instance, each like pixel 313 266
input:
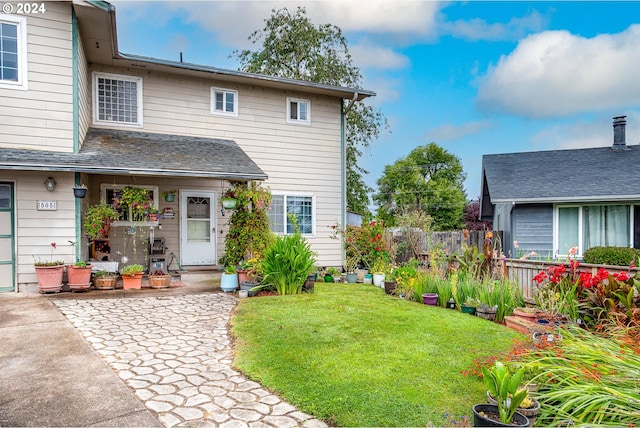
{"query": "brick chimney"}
pixel 619 128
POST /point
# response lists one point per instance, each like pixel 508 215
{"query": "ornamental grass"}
pixel 587 379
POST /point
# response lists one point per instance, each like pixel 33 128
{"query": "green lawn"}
pixel 353 356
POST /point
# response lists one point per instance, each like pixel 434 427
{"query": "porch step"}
pixel 199 275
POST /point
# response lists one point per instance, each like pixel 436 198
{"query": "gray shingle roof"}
pixel 563 175
pixel 140 153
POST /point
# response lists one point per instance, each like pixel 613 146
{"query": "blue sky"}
pixel 474 77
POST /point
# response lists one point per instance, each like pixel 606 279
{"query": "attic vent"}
pixel 619 129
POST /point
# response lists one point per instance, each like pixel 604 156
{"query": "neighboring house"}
pixel 551 201
pixel 74 109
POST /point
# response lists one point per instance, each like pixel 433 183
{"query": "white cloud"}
pixel 368 55
pixel 582 134
pixel 555 73
pixel 449 132
pixel 479 29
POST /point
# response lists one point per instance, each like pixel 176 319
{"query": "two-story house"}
pixel 75 110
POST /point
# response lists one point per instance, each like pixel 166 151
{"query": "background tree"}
pixel 429 179
pixel 290 45
pixel 471 217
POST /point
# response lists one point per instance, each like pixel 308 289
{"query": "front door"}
pixel 7 262
pixel 197 228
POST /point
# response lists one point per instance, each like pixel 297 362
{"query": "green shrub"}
pixel 287 264
pixel 614 256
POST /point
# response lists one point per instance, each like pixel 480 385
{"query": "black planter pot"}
pixel 248 285
pixel 79 192
pixel 480 420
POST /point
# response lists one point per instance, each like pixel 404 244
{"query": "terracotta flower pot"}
pixel 130 282
pixel 49 278
pixel 78 275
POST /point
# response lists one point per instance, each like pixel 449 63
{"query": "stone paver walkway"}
pixel 175 353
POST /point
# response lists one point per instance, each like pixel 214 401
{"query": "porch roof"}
pixel 107 151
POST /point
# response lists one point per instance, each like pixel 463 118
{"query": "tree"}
pixel 429 179
pixel 292 46
pixel 472 217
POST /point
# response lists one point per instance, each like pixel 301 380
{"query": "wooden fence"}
pixel 522 272
pixel 453 241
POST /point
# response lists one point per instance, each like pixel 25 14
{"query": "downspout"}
pixel 76 127
pixel 343 180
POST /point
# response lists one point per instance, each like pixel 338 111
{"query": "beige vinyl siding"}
pixel 297 158
pixel 42 116
pixel 84 85
pixel 36 230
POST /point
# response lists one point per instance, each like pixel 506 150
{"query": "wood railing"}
pixel 522 272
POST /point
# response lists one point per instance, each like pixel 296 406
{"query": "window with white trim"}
pixel 298 111
pixel 117 99
pixel 13 52
pixel 110 193
pixel 224 101
pixel 302 206
pixel 586 226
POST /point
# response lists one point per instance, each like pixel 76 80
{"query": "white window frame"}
pixel 299 101
pixel 556 223
pixel 23 74
pixel 224 91
pixel 103 194
pixel 95 76
pixel 313 210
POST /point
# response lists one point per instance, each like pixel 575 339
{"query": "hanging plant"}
pixel 249 228
pixel 97 220
pixel 135 203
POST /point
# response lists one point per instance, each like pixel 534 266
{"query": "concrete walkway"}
pixel 170 353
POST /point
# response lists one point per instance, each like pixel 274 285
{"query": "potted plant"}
pixel 79 276
pixel 378 273
pixel 80 191
pixel 529 407
pixel 430 299
pixel 97 220
pixel 49 274
pixel 132 276
pixel 486 312
pixel 169 195
pixel 133 203
pixel 229 279
pixel 159 279
pixel 229 200
pixel 105 280
pixel 504 386
pixel 469 306
pixel 352 263
pixel 330 274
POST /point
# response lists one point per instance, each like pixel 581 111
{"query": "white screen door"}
pixel 197 228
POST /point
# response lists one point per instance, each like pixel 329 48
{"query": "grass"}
pixel 352 356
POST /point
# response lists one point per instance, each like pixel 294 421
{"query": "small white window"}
pixel 298 111
pixel 224 101
pixel 302 206
pixel 13 52
pixel 117 99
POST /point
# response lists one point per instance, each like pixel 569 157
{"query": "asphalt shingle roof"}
pixel 141 153
pixel 564 175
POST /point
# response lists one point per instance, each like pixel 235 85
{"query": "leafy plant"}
pixel 586 380
pixel 230 269
pixel 332 271
pixel 80 264
pixel 98 218
pixel 249 232
pixel 134 203
pixel 131 270
pixel 505 388
pixel 51 262
pixel 287 263
pixel 104 273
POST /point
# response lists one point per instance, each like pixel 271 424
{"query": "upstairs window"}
pixel 13 52
pixel 298 111
pixel 117 99
pixel 224 101
pixel 299 205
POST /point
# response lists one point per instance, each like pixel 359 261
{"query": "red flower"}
pixel 53 244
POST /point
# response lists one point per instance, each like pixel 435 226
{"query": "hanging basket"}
pixel 79 192
pixel 229 203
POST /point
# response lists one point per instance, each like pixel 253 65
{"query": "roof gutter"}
pixel 607 198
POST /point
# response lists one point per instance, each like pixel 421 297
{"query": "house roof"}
pixel 98 29
pixel 108 151
pixel 580 175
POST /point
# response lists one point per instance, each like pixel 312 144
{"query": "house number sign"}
pixel 47 205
